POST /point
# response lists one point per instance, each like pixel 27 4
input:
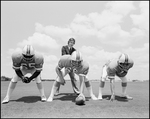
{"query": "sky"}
pixel 102 30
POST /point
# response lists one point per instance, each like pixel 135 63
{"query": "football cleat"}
pixel 6 100
pixel 93 97
pixel 43 99
pixel 50 99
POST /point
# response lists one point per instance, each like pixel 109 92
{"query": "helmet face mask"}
pixel 123 64
pixel 76 63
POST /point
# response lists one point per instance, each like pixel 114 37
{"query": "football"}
pixel 80 100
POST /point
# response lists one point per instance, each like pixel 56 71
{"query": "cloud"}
pixel 140 57
pixel 142 20
pixel 97 55
pixel 105 26
pixel 11 50
pixel 40 40
pixel 50 59
pixel 55 31
pixel 114 35
pixel 120 7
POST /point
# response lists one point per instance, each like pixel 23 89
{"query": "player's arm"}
pixel 39 61
pixel 82 79
pixel 111 76
pixel 19 73
pixel 16 65
pixel 59 73
pixel 35 74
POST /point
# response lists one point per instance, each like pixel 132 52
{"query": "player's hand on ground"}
pixel 112 98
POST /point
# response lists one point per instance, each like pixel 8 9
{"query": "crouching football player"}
pixel 73 63
pixel 27 61
pixel 119 67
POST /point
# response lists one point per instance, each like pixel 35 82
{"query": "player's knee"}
pixel 12 84
pixel 102 84
pixel 57 84
pixel 15 79
pixel 103 79
pixel 38 81
pixel 87 84
pixel 124 84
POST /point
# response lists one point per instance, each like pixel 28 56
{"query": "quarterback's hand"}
pixel 112 98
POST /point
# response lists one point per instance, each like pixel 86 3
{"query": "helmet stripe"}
pixel 27 49
pixel 126 58
pixel 78 56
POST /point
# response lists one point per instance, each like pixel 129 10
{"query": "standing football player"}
pixel 116 67
pixel 68 63
pixel 27 61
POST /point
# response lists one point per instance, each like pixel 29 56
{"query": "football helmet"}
pixel 123 59
pixel 28 52
pixel 76 59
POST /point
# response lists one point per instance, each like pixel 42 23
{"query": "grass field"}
pixel 25 102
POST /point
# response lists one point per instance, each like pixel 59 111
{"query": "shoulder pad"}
pixel 39 58
pixel 17 57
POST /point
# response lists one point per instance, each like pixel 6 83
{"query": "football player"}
pixel 116 67
pixel 25 62
pixel 68 63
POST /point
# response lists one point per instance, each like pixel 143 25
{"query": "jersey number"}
pixel 29 65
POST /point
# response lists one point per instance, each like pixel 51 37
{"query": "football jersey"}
pixel 36 62
pixel 65 61
pixel 113 68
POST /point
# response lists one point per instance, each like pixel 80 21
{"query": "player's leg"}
pixel 11 87
pixel 124 88
pixel 57 90
pixel 102 82
pixel 53 90
pixel 40 87
pixel 89 88
pixel 55 86
pixel 74 83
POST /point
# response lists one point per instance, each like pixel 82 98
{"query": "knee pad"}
pixel 102 84
pixel 124 84
pixel 57 84
pixel 87 84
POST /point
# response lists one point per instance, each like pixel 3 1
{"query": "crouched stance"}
pixel 118 67
pixel 73 63
pixel 27 61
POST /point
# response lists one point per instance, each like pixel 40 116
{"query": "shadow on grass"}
pixel 67 97
pixel 118 98
pixel 28 99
